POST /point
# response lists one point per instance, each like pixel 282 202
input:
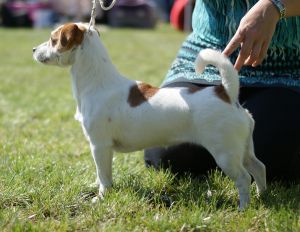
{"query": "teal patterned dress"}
pixel 214 24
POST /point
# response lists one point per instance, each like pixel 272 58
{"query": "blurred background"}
pixel 125 13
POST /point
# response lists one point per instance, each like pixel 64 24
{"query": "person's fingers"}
pixel 255 52
pixel 234 43
pixel 244 53
pixel 262 55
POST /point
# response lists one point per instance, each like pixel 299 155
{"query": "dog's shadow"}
pixel 163 189
pixel 215 191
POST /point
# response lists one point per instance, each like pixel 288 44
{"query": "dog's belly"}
pixel 125 147
pixel 152 136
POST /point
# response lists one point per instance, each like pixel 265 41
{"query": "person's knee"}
pixel 154 156
pixel 183 158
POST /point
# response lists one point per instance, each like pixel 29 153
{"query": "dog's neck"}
pixel 93 69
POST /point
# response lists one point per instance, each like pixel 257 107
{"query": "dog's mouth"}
pixel 43 56
pixel 44 60
pixel 40 58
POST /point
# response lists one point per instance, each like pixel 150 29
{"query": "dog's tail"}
pixel 229 75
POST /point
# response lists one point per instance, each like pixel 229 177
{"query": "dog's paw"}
pixel 102 191
pixel 97 199
pixel 100 196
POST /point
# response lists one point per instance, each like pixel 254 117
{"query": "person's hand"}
pixel 254 34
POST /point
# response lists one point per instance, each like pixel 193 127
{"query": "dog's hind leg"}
pixel 255 167
pixel 230 159
pixel 103 160
pixel 232 166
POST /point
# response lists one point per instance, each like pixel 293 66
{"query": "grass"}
pixel 46 166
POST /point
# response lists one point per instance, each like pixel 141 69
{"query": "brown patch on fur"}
pixel 55 37
pixel 140 93
pixel 222 94
pixel 194 88
pixel 68 36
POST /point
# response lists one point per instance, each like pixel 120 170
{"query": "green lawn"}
pixel 46 166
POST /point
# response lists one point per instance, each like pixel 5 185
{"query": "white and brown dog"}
pixel 118 114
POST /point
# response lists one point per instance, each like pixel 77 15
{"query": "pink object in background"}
pixel 21 7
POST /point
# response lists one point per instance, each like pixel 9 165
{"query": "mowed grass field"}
pixel 46 166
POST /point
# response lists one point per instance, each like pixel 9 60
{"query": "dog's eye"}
pixel 53 41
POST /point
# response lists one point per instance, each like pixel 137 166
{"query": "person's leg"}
pixel 183 158
pixel 180 159
pixel 276 112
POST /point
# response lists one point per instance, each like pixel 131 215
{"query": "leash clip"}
pixel 93 13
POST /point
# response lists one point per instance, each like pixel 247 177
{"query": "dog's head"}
pixel 61 48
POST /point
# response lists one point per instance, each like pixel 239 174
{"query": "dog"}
pixel 118 114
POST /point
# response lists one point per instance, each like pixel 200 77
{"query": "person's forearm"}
pixel 292 7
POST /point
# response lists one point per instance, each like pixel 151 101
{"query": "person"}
pixel 76 9
pixel 262 39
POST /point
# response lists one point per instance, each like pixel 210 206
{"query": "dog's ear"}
pixel 71 35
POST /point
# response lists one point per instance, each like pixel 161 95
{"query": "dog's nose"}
pixel 34 49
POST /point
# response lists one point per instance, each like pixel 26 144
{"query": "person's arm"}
pixel 292 7
pixel 255 31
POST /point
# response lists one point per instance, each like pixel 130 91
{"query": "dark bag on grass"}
pixel 133 13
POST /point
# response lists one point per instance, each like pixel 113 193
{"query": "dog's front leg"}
pixel 103 159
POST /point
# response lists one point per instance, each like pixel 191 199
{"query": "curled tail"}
pixel 230 79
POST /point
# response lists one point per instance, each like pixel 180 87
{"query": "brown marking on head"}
pixel 67 36
pixel 195 88
pixel 140 93
pixel 222 94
